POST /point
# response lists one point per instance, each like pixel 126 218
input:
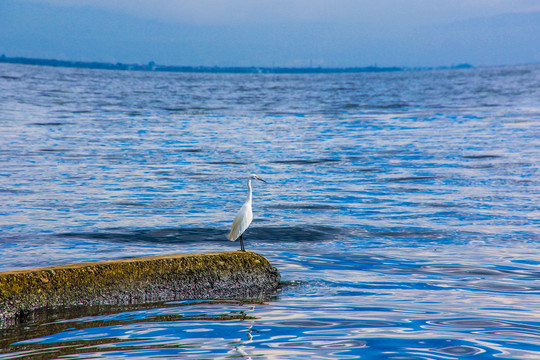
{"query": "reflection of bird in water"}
pixel 244 216
pixel 242 349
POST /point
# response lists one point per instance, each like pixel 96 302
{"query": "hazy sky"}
pixel 275 32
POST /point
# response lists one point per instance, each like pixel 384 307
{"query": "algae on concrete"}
pixel 224 275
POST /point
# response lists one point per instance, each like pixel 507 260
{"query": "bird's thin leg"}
pixel 242 244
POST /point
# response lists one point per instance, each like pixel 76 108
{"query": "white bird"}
pixel 244 216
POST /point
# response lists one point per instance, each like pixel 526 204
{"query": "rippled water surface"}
pixel 402 209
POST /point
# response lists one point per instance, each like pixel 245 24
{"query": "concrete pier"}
pixel 224 275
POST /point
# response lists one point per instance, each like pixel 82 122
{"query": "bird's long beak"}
pixel 258 178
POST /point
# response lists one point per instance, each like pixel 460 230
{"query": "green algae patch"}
pixel 224 275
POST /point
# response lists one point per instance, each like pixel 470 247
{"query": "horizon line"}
pixel 152 66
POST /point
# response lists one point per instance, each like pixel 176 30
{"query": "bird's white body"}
pixel 245 215
pixel 241 221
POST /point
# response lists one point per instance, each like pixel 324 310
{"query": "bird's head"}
pixel 255 177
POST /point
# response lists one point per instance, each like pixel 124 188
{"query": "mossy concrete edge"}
pixel 223 275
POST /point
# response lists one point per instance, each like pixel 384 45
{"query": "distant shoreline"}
pixel 151 66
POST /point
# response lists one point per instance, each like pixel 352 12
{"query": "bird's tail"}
pixel 236 231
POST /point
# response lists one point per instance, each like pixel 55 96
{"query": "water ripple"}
pixel 400 208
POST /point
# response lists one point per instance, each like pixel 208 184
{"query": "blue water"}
pixel 402 209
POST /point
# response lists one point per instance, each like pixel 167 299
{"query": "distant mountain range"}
pixel 151 66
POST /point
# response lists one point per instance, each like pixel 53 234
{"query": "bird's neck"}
pixel 249 191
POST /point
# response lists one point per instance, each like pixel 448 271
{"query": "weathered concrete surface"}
pixel 224 275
